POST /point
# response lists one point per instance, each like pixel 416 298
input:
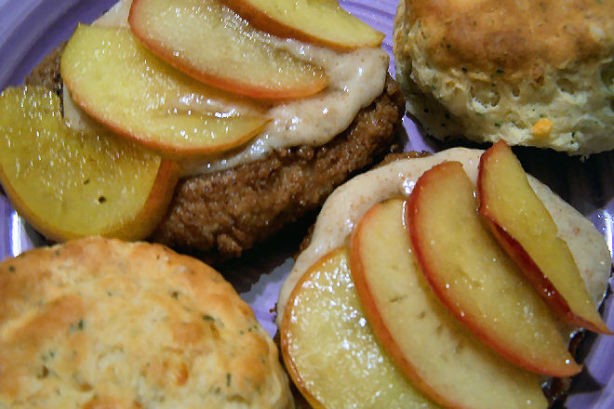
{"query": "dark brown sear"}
pixel 221 214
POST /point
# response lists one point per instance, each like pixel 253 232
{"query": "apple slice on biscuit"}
pixel 321 22
pixel 473 276
pixel 435 351
pixel 211 43
pixel 329 349
pixel 525 229
pixel 129 90
pixel 71 184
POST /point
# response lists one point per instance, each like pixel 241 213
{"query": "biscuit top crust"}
pixel 99 323
pixel 514 38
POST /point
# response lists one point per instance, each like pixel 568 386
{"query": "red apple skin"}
pixel 234 84
pixel 516 251
pixel 325 294
pixel 403 333
pixel 559 362
pixel 384 336
pixel 541 283
pixel 262 21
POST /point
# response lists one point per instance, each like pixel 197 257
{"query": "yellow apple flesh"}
pixel 321 22
pixel 211 43
pixel 473 276
pixel 434 350
pixel 129 90
pixel 69 184
pixel 525 229
pixel 329 349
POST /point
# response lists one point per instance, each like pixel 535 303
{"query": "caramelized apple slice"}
pixel 526 230
pixel 474 277
pixel 121 85
pixel 70 184
pixel 321 22
pixel 434 350
pixel 329 349
pixel 211 43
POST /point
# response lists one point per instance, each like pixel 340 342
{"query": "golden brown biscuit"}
pixel 531 73
pixel 99 323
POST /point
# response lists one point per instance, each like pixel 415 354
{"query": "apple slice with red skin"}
pixel 329 349
pixel 473 276
pixel 434 350
pixel 124 87
pixel 70 184
pixel 525 229
pixel 321 22
pixel 213 44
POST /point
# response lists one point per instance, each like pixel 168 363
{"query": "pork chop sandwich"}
pixel 452 280
pixel 257 123
pixel 102 323
pixel 530 73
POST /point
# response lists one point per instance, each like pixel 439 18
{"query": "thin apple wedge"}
pixel 473 276
pixel 132 92
pixel 211 43
pixel 321 22
pixel 69 184
pixel 329 349
pixel 525 229
pixel 433 349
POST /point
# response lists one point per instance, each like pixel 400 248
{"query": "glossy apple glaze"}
pixel 348 203
pixel 355 79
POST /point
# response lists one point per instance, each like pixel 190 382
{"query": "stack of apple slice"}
pixel 186 78
pixel 192 77
pixel 70 184
pixel 436 299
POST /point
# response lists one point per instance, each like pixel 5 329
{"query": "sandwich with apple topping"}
pixel 447 281
pixel 207 128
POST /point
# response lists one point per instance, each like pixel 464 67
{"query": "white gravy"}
pixel 355 80
pixel 349 202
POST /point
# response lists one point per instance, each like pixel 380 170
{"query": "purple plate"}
pixel 30 29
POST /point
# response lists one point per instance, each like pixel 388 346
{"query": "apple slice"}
pixel 211 43
pixel 434 350
pixel 525 229
pixel 473 276
pixel 329 349
pixel 321 22
pixel 71 184
pixel 129 90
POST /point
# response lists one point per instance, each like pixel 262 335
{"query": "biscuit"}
pixel 531 73
pixel 99 323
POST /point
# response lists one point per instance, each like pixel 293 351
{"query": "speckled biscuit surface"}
pixel 99 323
pixel 535 73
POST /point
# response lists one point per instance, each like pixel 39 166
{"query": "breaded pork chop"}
pixel 221 214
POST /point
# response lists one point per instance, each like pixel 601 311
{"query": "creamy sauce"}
pixel 355 80
pixel 349 202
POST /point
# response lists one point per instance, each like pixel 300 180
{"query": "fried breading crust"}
pixel 232 210
pixel 219 215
